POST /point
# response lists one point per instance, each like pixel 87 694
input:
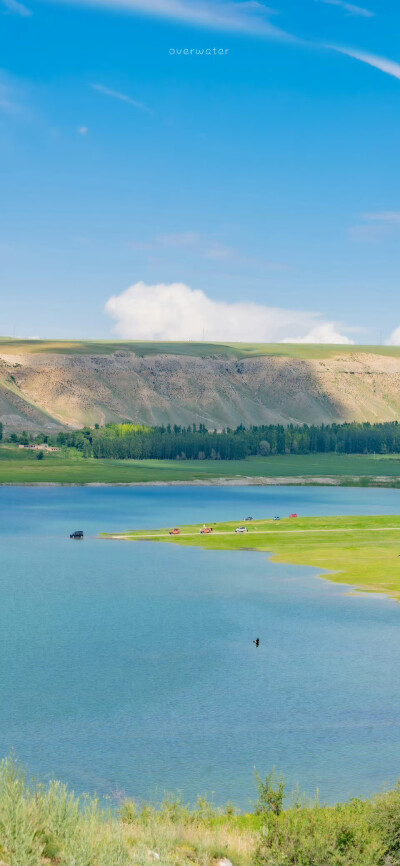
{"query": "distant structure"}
pixel 42 447
pixel 257 641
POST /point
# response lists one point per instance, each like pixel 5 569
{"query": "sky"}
pixel 200 169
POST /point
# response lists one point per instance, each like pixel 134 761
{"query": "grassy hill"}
pixel 142 348
pixel 73 383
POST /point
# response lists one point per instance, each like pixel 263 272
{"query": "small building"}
pixel 42 447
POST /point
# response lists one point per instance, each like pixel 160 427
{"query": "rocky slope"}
pixel 41 390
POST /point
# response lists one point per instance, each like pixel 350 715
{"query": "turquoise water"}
pixel 130 667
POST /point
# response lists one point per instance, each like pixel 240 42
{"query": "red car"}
pixel 206 530
pixel 175 532
pixel 293 515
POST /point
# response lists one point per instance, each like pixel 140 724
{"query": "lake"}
pixel 130 668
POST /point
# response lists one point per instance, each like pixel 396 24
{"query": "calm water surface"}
pixel 131 667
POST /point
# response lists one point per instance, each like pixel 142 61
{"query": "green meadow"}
pixel 18 466
pixel 363 552
pixel 200 350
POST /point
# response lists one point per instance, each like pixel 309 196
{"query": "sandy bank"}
pixel 239 481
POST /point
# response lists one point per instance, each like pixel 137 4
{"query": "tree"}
pixel 270 793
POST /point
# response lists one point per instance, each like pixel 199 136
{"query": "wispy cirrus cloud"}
pixel 391 217
pixel 376 225
pixel 350 8
pixel 177 312
pixel 15 7
pixel 178 239
pixel 391 67
pixel 122 97
pixel 249 16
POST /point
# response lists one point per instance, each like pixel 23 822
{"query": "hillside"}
pixel 47 384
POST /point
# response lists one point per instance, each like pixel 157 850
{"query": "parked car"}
pixel 206 530
pixel 277 518
pixel 241 529
pixel 175 531
pixel 293 515
pixel 78 534
pixel 249 518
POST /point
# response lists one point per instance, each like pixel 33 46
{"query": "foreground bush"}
pixel 50 824
pixel 359 833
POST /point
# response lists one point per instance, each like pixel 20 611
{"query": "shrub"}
pixel 386 820
pixel 342 835
pixel 38 823
pixel 270 793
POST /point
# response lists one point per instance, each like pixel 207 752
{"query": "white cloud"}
pixel 83 130
pixel 394 339
pixel 326 332
pixel 391 67
pixel 122 97
pixel 177 312
pixel 350 8
pixel 14 7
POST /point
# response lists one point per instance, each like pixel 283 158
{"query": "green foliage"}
pixel 343 835
pixel 387 821
pixel 196 442
pixel 271 793
pixel 38 823
pixel 129 812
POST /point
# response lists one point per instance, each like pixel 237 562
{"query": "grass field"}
pixel 69 467
pixel 203 350
pixel 361 551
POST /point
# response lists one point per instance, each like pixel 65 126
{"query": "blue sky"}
pixel 154 194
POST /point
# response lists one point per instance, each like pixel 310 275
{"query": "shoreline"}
pixel 379 481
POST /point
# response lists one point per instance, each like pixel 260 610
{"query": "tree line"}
pixel 196 442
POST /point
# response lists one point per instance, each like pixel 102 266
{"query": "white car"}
pixel 241 529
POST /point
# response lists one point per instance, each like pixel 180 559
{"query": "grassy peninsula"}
pixel 47 824
pixel 361 551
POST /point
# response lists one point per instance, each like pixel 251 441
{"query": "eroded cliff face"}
pixel 39 391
